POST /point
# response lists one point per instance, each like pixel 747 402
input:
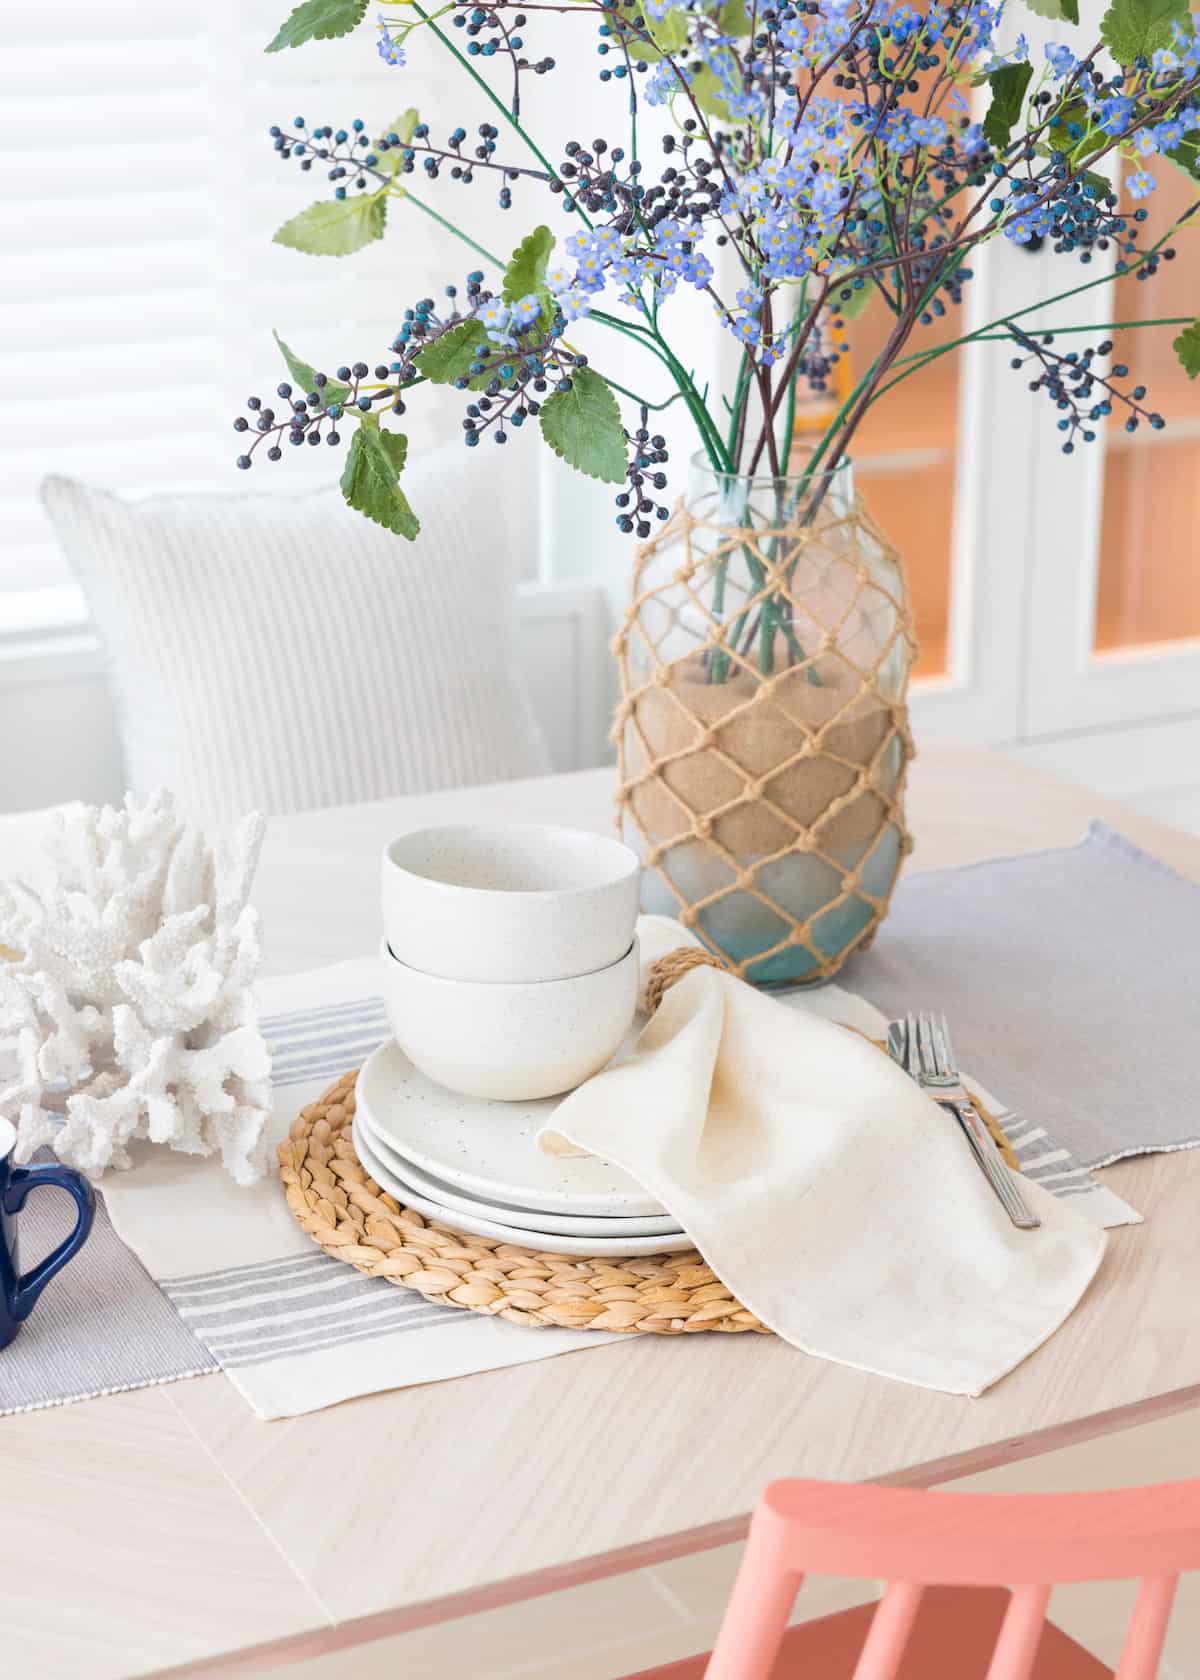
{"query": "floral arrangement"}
pixel 807 155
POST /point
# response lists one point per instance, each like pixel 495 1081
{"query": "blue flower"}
pixel 574 305
pixel 628 271
pixel 526 310
pixel 928 131
pixel 661 87
pixel 591 268
pixel 1061 59
pixel 1115 114
pixel 1141 183
pixel 1020 230
pixel 903 23
pixel 670 239
pixel 827 197
pixel 390 50
pixel 494 316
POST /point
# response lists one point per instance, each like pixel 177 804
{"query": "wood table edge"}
pixel 473 1601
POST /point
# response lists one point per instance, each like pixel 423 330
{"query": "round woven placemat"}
pixel 342 1208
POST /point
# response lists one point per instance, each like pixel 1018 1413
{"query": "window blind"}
pixel 139 192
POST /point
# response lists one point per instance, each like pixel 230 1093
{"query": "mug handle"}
pixel 25 1179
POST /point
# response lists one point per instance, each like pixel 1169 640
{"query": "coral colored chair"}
pixel 944 1616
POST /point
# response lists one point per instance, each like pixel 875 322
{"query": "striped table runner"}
pixel 189 1273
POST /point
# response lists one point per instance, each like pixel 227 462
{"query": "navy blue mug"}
pixel 18 1294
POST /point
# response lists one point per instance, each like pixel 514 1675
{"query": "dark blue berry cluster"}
pixel 1083 395
pixel 490 34
pixel 351 159
pixel 636 505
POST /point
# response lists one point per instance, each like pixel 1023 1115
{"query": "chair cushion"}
pixel 281 652
pixel 952 1639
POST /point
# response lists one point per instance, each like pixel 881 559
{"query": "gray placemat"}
pixel 102 1325
pixel 1071 981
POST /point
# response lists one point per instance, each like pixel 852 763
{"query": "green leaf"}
pixel 450 357
pixel 319 20
pixel 404 124
pixel 1187 348
pixel 303 379
pixel 849 302
pixel 526 272
pixel 1186 155
pixel 1133 27
pixel 1008 95
pixel 733 18
pixel 668 34
pixel 334 227
pixel 583 427
pixel 1074 114
pixel 392 160
pixel 371 480
pixel 1058 11
pixel 1100 184
pixel 709 93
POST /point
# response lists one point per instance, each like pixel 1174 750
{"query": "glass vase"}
pixel 763 732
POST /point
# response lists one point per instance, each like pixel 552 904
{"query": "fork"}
pixel 928 1057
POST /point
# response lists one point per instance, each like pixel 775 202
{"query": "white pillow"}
pixel 282 652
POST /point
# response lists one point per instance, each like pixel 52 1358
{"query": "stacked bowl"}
pixel 510 955
pixel 511 972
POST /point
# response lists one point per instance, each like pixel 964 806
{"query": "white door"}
pixel 1114 605
pixel 946 462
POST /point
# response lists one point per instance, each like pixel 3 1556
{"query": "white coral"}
pixel 129 1013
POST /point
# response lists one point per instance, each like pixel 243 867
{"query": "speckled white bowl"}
pixel 508 901
pixel 512 1041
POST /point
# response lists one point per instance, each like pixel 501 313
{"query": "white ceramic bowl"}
pixel 508 901
pixel 510 1041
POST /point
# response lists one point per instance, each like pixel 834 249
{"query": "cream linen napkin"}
pixel 838 1202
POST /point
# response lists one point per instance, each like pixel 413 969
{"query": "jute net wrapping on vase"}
pixel 763 735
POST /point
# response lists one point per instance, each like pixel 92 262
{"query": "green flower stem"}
pixel 987 333
pixel 644 402
pixel 479 250
pixel 739 400
pixel 789 422
pixel 495 99
pixel 653 341
pixel 719 663
pixel 985 336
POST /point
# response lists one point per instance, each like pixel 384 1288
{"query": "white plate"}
pixel 610 1248
pixel 525 1219
pixel 489 1149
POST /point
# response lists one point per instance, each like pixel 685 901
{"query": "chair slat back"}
pixel 1147 1630
pixel 917 1539
pixel 890 1627
pixel 1021 1634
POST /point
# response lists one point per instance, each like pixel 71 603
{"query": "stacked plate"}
pixel 475 1165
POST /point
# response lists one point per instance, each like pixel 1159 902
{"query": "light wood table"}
pixel 171 1528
